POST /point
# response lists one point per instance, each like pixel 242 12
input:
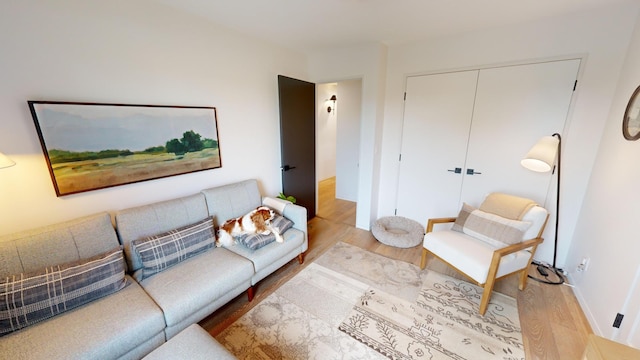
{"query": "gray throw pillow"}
pixel 256 241
pixel 28 298
pixel 159 252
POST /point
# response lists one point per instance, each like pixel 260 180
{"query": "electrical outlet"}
pixel 618 320
pixel 584 265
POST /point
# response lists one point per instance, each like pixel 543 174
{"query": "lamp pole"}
pixel 541 158
pixel 555 246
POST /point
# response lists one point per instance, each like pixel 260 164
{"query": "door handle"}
pixel 456 170
pixel 472 172
pixel 287 168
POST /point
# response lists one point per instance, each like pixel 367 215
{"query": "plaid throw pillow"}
pixel 491 228
pixel 256 241
pixel 26 299
pixel 162 251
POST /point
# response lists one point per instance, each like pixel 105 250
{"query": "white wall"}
pixel 607 231
pixel 348 139
pixel 338 135
pixel 600 36
pixel 326 124
pixel 138 53
pixel 369 63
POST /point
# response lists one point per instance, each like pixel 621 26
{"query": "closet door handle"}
pixel 472 172
pixel 456 170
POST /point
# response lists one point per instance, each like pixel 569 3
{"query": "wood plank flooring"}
pixel 553 324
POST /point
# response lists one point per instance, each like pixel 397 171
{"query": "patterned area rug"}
pixel 442 324
pixel 391 307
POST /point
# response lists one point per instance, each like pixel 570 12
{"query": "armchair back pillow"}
pixel 491 228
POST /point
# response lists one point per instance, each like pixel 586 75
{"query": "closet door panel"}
pixel 515 106
pixel 438 112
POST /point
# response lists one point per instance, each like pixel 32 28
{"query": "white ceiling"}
pixel 306 25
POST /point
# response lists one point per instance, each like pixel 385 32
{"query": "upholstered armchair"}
pixel 488 243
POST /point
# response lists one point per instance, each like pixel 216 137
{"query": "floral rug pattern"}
pixel 321 311
pixel 442 324
pixel 300 321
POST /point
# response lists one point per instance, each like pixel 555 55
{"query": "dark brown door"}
pixel 298 140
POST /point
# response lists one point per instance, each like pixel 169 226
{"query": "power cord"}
pixel 545 270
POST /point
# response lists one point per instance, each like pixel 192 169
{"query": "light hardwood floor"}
pixel 553 324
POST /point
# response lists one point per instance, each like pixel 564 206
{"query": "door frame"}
pixel 320 106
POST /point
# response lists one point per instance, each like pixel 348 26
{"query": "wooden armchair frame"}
pixel 495 261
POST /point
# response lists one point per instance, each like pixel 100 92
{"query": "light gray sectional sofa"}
pixel 126 324
pixel 138 310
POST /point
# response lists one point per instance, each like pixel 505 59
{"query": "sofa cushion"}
pixel 272 256
pixel 256 241
pixel 494 229
pixel 124 325
pixel 198 283
pixel 28 298
pixel 232 200
pixel 162 251
pixel 193 343
pixel 60 243
pixel 148 220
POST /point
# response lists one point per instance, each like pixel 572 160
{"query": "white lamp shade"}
pixel 542 155
pixel 5 161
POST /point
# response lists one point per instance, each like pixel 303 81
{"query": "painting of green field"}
pixel 91 146
pixel 78 176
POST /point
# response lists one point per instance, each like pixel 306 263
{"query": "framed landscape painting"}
pixel 91 146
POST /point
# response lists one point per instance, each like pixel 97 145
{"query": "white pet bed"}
pixel 398 231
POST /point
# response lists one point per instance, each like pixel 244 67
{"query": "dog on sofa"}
pixel 257 221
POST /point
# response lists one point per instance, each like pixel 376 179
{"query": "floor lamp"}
pixel 541 158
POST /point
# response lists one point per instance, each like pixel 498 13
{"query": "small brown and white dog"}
pixel 257 221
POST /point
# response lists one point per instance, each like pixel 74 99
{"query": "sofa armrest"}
pixel 293 212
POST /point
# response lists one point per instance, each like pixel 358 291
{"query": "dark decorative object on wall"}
pixel 631 120
pixel 91 146
pixel 333 98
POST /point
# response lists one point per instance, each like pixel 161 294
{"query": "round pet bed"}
pixel 398 231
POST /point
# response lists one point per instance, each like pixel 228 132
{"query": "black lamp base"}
pixel 545 270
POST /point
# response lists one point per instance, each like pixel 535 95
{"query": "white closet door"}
pixel 516 106
pixel 629 332
pixel 438 112
pixel 483 121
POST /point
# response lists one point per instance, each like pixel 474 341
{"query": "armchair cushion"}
pixel 493 229
pixel 508 206
pixel 470 256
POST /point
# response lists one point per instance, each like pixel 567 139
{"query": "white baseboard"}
pixel 585 307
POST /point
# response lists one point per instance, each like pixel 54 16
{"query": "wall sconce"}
pixel 333 98
pixel 5 161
